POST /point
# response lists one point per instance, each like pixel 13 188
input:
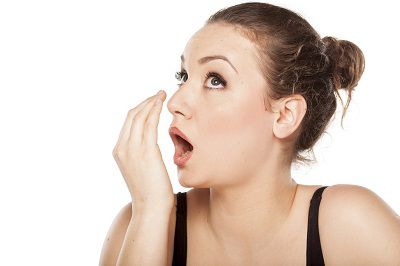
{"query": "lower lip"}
pixel 180 161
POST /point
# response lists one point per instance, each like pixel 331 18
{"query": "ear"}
pixel 289 114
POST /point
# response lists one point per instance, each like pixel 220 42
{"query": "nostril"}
pixel 177 112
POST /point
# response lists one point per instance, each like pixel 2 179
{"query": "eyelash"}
pixel 209 74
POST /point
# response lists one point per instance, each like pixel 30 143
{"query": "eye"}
pixel 179 75
pixel 217 79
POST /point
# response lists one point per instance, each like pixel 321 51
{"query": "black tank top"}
pixel 314 255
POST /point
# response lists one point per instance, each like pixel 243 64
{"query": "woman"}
pixel 258 88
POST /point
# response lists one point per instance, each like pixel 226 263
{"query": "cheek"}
pixel 235 132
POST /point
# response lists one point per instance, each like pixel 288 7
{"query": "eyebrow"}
pixel 206 59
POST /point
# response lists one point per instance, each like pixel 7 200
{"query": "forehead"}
pixel 219 39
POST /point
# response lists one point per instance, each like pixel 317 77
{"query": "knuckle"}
pixel 135 120
pixel 149 127
pixel 115 149
pixel 118 152
pixel 115 154
pixel 132 111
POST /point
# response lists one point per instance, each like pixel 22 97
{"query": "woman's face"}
pixel 227 124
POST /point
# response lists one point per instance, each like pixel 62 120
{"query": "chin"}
pixel 190 181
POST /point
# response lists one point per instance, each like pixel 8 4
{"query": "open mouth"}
pixel 183 147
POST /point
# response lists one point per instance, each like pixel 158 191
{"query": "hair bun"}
pixel 347 62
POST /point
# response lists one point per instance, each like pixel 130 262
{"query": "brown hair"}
pixel 294 59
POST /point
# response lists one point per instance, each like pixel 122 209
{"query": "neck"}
pixel 247 217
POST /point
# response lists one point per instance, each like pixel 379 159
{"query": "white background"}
pixel 71 70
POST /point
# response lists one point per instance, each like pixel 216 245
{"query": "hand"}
pixel 139 158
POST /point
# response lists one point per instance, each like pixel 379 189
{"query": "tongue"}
pixel 184 145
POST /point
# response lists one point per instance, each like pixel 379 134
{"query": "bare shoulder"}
pixel 357 226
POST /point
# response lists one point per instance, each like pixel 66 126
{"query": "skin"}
pixel 244 208
pixel 239 145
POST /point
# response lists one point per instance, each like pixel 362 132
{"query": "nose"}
pixel 178 104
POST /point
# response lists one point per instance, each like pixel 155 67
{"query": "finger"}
pixel 125 131
pixel 150 134
pixel 136 131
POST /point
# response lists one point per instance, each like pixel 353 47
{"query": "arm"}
pixel 146 239
pixel 118 232
pixel 115 236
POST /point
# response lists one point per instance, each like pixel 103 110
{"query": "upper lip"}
pixel 173 131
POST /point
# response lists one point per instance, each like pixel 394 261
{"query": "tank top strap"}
pixel 314 254
pixel 180 244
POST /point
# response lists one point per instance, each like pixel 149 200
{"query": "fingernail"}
pixel 159 92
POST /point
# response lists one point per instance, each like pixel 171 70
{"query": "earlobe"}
pixel 289 116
